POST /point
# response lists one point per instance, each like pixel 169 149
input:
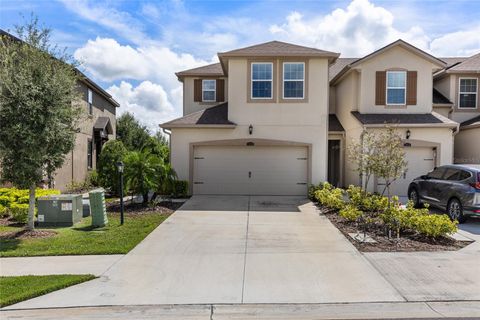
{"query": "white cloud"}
pixel 148 102
pixel 355 31
pixel 108 60
pixel 109 17
pixel 460 43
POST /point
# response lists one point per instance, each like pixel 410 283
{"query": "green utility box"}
pixel 97 208
pixel 63 210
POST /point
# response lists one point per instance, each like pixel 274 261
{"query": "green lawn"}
pixel 16 289
pixel 83 239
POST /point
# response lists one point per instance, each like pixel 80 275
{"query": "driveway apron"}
pixel 234 249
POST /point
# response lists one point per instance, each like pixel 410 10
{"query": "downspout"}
pixel 455 131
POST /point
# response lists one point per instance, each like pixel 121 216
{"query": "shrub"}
pixel 434 226
pixel 366 201
pixel 350 212
pixel 112 152
pixel 19 212
pixel 330 197
pixel 180 188
pixel 3 211
pixel 6 200
pixel 312 189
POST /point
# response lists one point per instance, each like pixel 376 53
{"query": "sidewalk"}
pixel 88 264
pixel 392 310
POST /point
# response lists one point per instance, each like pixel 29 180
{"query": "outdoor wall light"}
pixel 408 134
pixel 250 129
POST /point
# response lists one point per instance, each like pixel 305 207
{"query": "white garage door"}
pixel 255 170
pixel 420 161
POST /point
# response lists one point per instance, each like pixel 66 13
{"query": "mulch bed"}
pixel 408 242
pixel 164 207
pixel 27 234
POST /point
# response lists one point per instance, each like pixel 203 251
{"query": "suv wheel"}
pixel 455 210
pixel 413 196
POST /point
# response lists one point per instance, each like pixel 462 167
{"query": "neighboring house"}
pixel 394 86
pixel 459 83
pixel 272 118
pixel 97 125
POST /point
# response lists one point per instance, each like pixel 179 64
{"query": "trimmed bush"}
pixel 6 200
pixel 3 211
pixel 19 212
pixel 350 213
pixel 180 188
pixel 435 226
pixel 330 197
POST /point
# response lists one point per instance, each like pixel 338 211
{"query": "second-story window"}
pixel 467 93
pixel 90 101
pixel 396 87
pixel 262 80
pixel 293 80
pixel 208 90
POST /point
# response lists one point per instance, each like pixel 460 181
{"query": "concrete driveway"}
pixel 242 249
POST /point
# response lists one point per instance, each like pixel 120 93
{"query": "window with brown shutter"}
pixel 411 87
pixel 197 90
pixel 380 87
pixel 220 90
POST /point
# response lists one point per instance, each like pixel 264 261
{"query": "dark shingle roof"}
pixel 396 118
pixel 338 66
pixel 439 98
pixel 278 48
pixel 217 115
pixel 473 121
pixel 214 69
pixel 471 64
pixel 334 124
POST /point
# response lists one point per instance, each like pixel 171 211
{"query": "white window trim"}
pixel 283 83
pixel 210 90
pixel 90 155
pixel 90 101
pixel 387 87
pixel 263 80
pixel 460 93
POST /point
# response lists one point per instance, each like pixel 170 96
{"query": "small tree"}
pixel 379 153
pixel 390 161
pixel 112 152
pixel 133 135
pixel 38 118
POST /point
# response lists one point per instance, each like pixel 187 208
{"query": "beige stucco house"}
pixel 275 117
pixel 459 84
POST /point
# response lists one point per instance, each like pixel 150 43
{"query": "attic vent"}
pixel 250 144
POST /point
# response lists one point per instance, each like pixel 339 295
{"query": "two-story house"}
pixel 256 123
pixel 459 83
pixel 272 118
pixel 393 86
pixel 97 125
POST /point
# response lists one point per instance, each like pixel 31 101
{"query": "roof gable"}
pixel 406 46
pixel 278 48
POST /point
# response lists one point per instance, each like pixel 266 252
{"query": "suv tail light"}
pixel 476 185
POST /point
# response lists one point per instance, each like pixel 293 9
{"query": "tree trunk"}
pixel 145 198
pixel 31 208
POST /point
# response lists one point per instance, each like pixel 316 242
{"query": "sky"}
pixel 132 48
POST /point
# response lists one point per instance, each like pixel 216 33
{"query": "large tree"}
pixel 38 116
pixel 133 134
